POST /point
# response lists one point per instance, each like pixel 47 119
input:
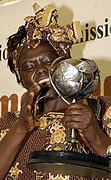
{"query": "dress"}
pixel 50 135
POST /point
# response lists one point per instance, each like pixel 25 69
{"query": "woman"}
pixel 31 52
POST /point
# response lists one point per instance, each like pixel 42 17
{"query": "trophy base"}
pixel 70 163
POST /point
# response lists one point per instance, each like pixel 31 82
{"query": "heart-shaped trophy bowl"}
pixel 73 80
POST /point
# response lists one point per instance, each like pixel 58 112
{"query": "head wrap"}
pixel 43 27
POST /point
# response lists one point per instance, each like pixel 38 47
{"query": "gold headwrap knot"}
pixel 43 26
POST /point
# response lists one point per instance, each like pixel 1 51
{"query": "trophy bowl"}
pixel 74 80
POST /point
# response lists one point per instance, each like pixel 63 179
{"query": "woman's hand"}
pixel 81 117
pixel 26 119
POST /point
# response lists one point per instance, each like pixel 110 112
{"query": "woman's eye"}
pixel 29 67
pixel 47 60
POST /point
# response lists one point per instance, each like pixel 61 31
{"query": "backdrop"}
pixel 95 18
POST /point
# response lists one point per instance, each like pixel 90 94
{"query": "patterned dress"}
pixel 51 135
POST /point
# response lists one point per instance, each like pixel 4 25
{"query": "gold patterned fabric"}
pixel 106 114
pixel 50 135
pixel 44 26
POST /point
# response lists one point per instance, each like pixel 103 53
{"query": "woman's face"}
pixel 34 64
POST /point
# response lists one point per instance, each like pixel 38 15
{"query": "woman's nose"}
pixel 37 74
pixel 41 70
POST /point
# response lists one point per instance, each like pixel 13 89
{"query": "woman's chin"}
pixel 50 97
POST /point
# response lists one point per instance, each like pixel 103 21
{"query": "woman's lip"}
pixel 45 84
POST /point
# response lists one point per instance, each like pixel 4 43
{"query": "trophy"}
pixel 73 80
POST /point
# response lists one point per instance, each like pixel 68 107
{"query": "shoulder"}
pixel 6 122
pixel 106 113
pixel 105 102
pixel 8 119
pixel 100 104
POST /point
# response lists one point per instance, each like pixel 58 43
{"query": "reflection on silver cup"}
pixel 74 80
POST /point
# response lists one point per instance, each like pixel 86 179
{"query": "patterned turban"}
pixel 43 27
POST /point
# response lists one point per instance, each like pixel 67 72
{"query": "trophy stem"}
pixel 74 143
pixel 73 135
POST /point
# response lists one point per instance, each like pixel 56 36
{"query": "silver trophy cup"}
pixel 74 80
